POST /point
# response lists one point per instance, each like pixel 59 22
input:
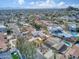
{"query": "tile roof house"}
pixel 74 51
pixel 3 45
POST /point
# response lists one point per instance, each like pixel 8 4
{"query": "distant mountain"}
pixel 72 8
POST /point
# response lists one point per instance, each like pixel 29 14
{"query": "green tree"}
pixel 9 31
pixel 37 26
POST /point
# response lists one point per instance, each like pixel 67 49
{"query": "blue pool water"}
pixel 74 34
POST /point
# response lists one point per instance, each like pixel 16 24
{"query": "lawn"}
pixel 15 55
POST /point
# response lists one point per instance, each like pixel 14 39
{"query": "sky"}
pixel 38 4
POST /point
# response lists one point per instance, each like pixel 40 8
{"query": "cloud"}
pixel 32 3
pixel 21 2
pixel 75 5
pixel 41 4
pixel 47 4
pixel 62 5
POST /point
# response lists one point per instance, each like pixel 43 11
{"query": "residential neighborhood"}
pixel 39 33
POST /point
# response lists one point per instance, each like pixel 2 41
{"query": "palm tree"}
pixel 26 48
pixel 55 55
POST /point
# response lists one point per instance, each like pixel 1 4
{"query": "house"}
pixel 55 30
pixel 72 27
pixel 58 31
pixel 2 28
pixel 44 52
pixel 37 33
pixel 67 35
pixel 26 28
pixel 3 44
pixel 73 52
pixel 57 44
pixel 15 28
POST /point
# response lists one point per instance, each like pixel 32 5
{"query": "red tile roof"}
pixel 75 51
pixel 2 42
